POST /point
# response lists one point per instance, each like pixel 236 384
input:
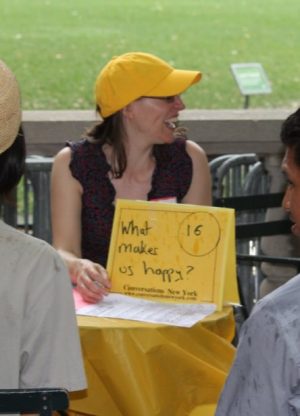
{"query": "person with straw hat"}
pixel 39 344
pixel 136 152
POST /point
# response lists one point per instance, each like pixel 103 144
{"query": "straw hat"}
pixel 10 108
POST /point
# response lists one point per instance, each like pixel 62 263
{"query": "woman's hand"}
pixel 91 279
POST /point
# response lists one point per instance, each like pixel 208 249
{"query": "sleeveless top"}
pixel 171 178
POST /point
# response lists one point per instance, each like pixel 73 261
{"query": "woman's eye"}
pixel 170 99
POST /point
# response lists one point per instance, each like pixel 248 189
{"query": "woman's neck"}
pixel 136 180
pixel 139 159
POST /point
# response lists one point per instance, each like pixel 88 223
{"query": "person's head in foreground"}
pixel 265 378
pixel 39 341
pixel 139 94
pixel 290 137
pixel 12 145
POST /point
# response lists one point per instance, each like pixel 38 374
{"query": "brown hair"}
pixel 12 165
pixel 290 134
pixel 112 132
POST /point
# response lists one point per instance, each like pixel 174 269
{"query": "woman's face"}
pixel 153 118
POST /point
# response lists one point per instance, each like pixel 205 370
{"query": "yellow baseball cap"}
pixel 10 107
pixel 127 77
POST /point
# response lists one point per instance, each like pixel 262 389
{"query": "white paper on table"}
pixel 128 307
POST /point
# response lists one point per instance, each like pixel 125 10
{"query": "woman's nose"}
pixel 179 103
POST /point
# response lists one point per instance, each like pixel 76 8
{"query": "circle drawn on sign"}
pixel 199 233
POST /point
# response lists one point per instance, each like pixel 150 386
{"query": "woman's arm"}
pixel 199 192
pixel 91 278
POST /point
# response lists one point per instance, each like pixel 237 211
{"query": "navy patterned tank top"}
pixel 171 179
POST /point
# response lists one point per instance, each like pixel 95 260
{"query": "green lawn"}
pixel 57 47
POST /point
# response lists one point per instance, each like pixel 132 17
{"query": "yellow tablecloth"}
pixel 142 369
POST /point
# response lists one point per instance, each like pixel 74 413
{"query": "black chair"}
pixel 254 230
pixel 229 172
pixel 41 401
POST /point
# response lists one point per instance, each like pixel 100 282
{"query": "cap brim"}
pixel 175 83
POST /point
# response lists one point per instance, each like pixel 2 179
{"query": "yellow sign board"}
pixel 173 252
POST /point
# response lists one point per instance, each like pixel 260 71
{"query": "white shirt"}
pixel 265 377
pixel 39 342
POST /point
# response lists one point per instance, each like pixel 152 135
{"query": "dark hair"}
pixel 112 132
pixel 290 134
pixel 12 164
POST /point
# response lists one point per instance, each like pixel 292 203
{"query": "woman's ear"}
pixel 128 111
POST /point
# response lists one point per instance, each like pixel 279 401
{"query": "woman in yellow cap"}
pixel 136 152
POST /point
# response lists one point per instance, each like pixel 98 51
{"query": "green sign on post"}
pixel 251 79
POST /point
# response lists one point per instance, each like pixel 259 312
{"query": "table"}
pixel 142 369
